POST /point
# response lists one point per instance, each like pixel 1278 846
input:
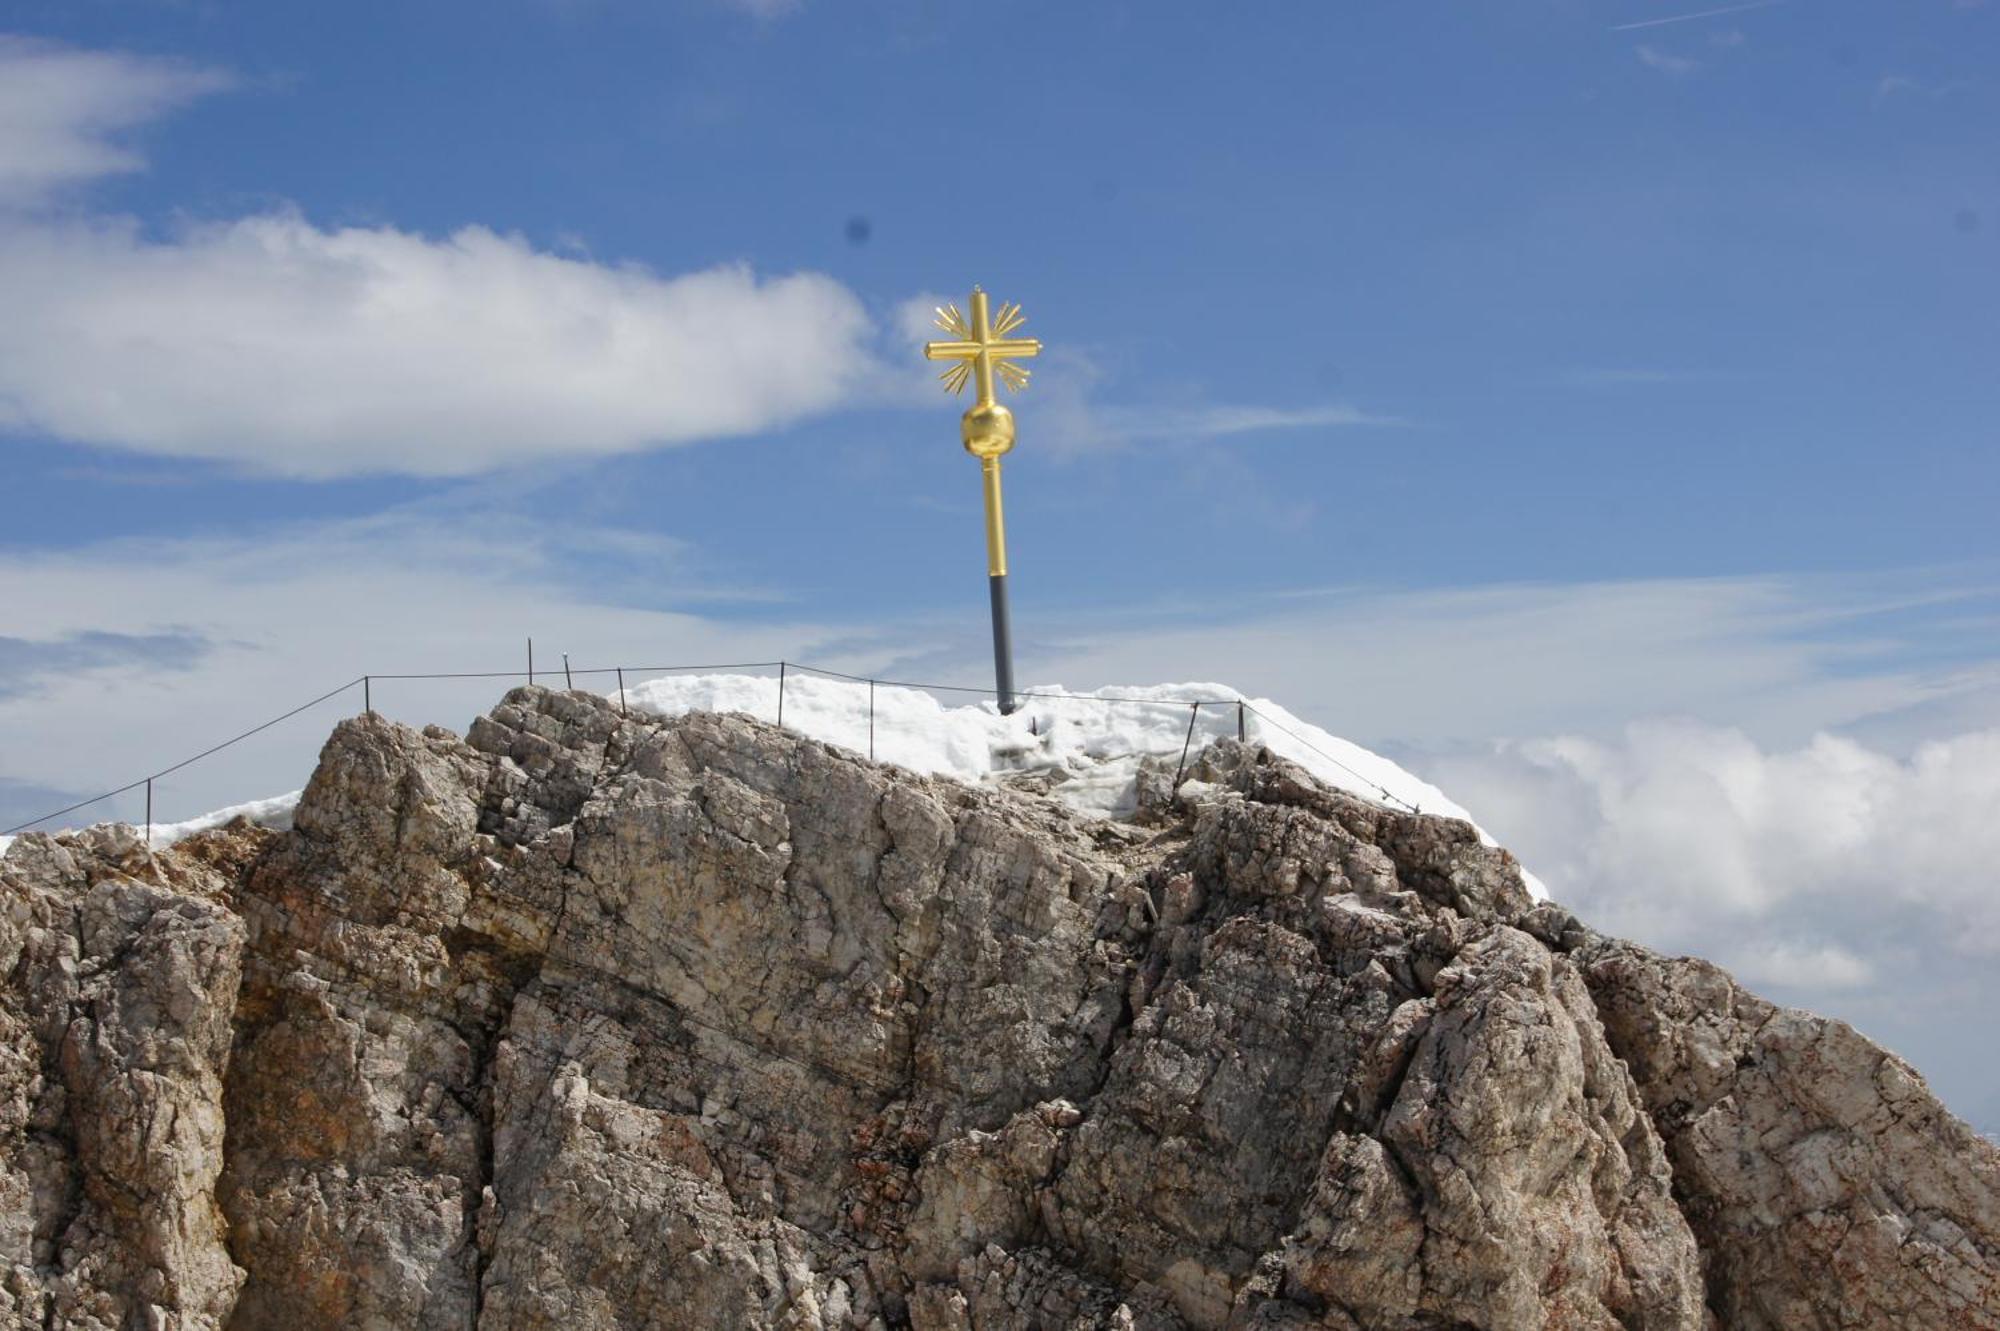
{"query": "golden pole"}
pixel 982 351
pixel 996 525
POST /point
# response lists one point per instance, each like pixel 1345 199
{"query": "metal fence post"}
pixel 568 683
pixel 1240 729
pixel 149 813
pixel 531 660
pixel 871 720
pixel 781 695
pixel 621 692
pixel 1194 711
pixel 367 696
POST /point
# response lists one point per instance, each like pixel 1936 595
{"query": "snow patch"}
pixel 1093 741
pixel 275 813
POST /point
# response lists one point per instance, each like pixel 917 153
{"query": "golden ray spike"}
pixel 1009 319
pixel 955 377
pixel 951 321
pixel 1012 375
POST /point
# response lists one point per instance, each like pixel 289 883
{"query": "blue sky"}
pixel 1475 379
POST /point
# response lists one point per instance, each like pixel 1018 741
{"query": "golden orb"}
pixel 988 430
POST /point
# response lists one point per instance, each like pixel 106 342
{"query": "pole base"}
pixel 1003 646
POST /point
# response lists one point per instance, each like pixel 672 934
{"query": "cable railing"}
pixel 366 683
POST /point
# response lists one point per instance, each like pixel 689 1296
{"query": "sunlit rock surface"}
pixel 594 1022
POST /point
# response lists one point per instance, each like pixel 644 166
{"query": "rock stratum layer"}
pixel 593 1022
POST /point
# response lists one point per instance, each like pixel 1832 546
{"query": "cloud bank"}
pixel 1805 868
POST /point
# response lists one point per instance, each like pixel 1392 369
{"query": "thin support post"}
pixel 871 720
pixel 149 813
pixel 367 696
pixel 621 692
pixel 1241 729
pixel 1193 711
pixel 781 694
pixel 531 660
pixel 568 683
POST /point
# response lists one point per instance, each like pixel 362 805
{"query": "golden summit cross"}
pixel 982 349
pixel 984 352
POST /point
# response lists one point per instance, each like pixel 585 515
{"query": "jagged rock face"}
pixel 595 1022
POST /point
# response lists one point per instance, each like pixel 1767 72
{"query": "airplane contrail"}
pixel 1689 18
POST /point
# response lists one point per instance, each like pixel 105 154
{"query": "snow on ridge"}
pixel 1096 737
pixel 274 812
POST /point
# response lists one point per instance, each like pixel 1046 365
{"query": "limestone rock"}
pixel 1827 1186
pixel 589 1021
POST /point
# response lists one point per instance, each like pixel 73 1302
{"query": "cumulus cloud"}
pixel 63 111
pixel 276 345
pixel 279 346
pixel 1795 864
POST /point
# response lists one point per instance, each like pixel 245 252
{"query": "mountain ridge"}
pixel 592 1020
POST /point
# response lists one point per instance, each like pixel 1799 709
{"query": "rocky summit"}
pixel 587 1021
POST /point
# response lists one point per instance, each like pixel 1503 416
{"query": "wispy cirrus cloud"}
pixel 25 663
pixel 1071 416
pixel 64 113
pixel 1669 19
pixel 1621 376
pixel 1675 66
pixel 1088 426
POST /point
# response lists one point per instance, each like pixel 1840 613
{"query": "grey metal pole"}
pixel 149 813
pixel 781 694
pixel 568 683
pixel 621 692
pixel 1003 645
pixel 1194 712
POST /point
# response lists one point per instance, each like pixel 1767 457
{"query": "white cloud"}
pixel 272 344
pixel 278 346
pixel 1795 864
pixel 1830 875
pixel 62 112
pixel 1789 965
